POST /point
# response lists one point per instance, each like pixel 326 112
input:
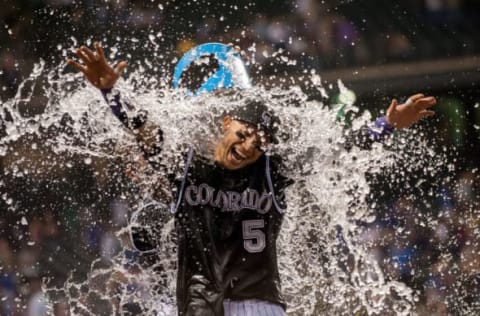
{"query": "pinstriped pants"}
pixel 252 308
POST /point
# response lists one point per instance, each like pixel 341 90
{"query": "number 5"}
pixel 254 238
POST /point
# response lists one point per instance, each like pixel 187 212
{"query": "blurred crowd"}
pixel 48 249
pixel 432 244
pixel 314 34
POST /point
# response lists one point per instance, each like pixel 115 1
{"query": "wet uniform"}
pixel 227 224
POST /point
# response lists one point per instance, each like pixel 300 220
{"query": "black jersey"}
pixel 227 224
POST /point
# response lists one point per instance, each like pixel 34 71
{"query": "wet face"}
pixel 240 146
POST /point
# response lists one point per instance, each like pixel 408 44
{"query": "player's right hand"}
pixel 96 68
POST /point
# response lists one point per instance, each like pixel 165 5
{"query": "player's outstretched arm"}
pixel 103 76
pixel 399 116
pixel 96 68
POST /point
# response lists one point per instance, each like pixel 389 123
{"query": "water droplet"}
pixel 151 37
pixel 24 221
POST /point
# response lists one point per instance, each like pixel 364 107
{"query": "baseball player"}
pixel 228 212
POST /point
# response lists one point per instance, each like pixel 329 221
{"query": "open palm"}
pixel 96 68
pixel 410 112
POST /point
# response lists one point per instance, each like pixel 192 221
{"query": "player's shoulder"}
pixel 278 171
pixel 276 163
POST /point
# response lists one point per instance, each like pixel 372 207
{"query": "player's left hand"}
pixel 410 112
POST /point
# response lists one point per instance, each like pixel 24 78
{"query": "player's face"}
pixel 240 145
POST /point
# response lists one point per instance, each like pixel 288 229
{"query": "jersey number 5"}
pixel 253 237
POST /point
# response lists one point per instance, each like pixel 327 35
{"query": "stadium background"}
pixel 379 49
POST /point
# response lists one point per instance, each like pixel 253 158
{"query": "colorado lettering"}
pixel 228 201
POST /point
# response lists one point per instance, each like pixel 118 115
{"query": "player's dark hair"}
pixel 198 72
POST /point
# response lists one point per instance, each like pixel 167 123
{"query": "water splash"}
pixel 325 266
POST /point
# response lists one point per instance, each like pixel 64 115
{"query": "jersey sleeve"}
pixel 149 136
pixel 367 135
